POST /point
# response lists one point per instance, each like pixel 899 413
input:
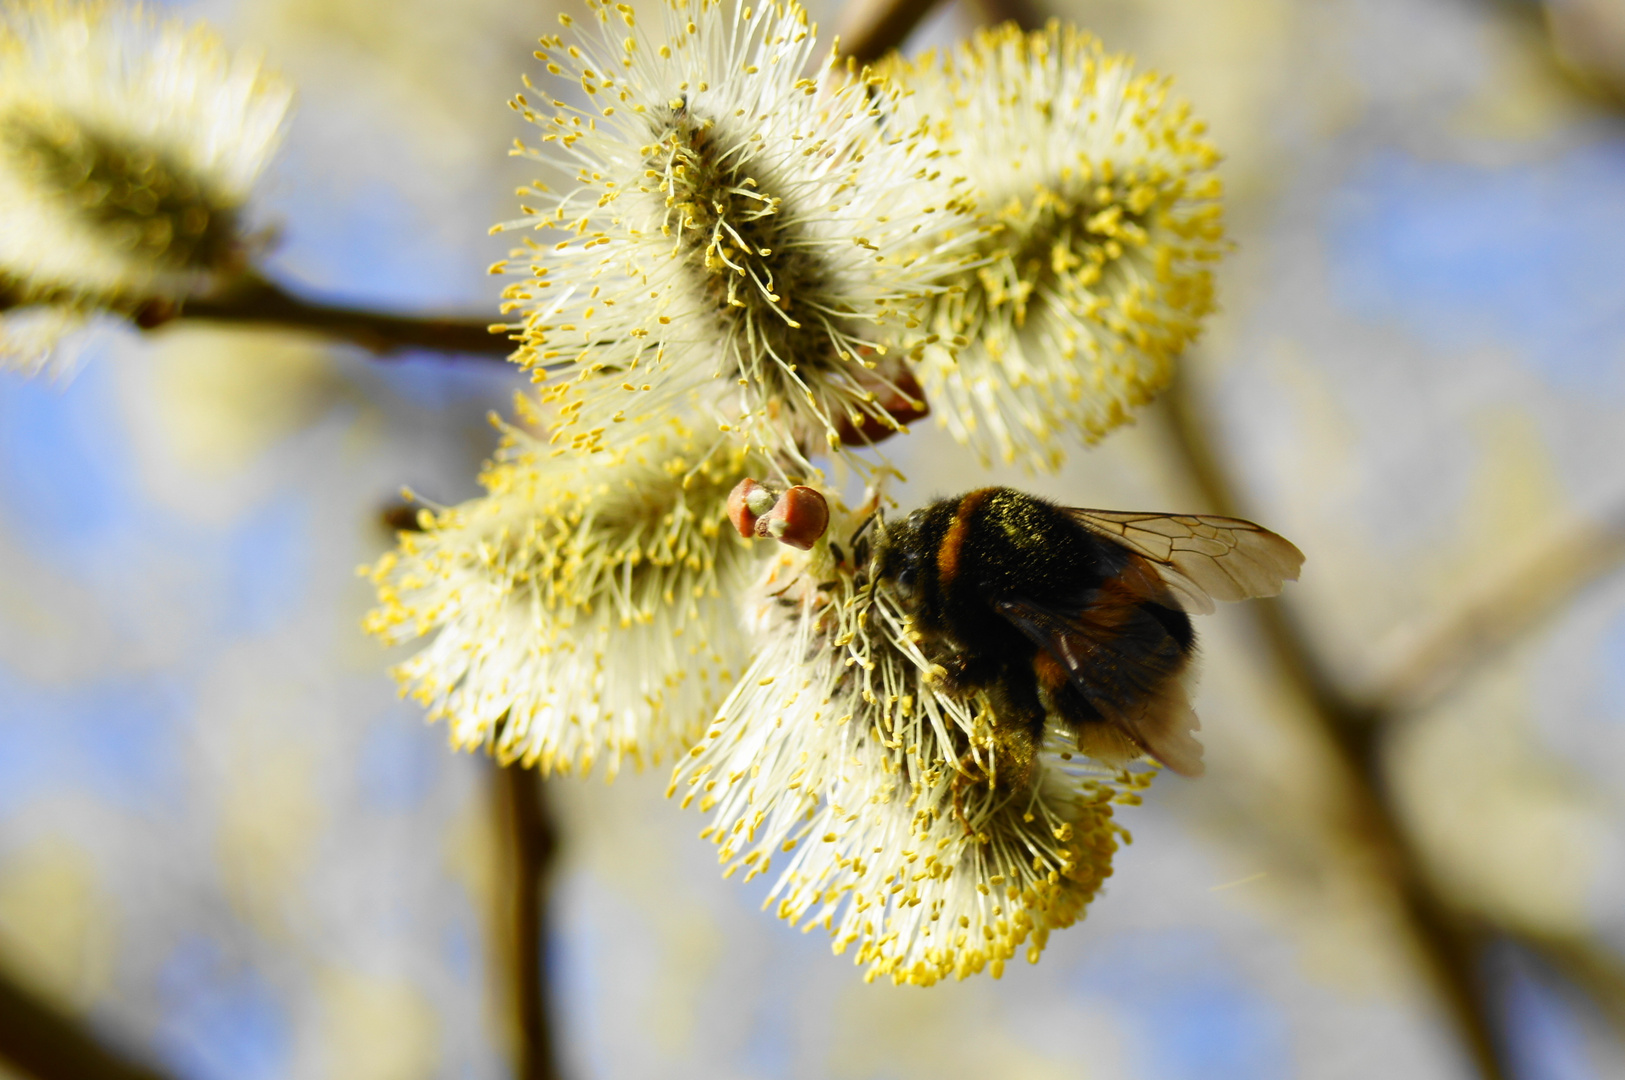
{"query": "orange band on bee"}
pixel 1052 674
pixel 1115 603
pixel 948 553
pixel 1141 579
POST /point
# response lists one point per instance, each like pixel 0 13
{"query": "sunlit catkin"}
pixel 718 227
pixel 584 610
pixel 128 150
pixel 1099 224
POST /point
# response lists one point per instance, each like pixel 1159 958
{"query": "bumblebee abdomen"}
pixel 1177 624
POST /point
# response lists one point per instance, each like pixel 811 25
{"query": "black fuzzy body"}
pixel 990 574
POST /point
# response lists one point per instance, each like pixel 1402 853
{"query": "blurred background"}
pixel 228 851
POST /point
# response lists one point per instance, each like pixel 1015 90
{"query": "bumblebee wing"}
pixel 1199 557
pixel 1150 706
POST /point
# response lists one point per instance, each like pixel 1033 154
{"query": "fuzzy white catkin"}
pixel 129 148
pixel 1098 221
pixel 716 226
pixel 583 610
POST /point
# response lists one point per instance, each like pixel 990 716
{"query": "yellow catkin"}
pixel 582 610
pixel 729 230
pixel 129 147
pixel 1098 223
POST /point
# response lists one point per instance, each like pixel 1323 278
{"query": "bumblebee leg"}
pixel 1018 724
pixel 959 673
pixel 967 774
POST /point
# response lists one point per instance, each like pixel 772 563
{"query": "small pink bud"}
pixel 747 502
pixel 798 518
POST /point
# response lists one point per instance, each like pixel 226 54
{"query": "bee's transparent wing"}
pixel 1141 692
pixel 1201 558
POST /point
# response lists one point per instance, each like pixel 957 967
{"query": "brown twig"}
pixel 257 302
pixel 1440 656
pixel 1596 971
pixel 1574 45
pixel 47 1044
pixel 869 29
pixel 1024 13
pixel 531 843
pixel 1450 942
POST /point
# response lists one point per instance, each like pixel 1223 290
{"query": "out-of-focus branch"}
pixel 1583 42
pixel 39 1040
pixel 1515 603
pixel 1586 964
pixel 531 843
pixel 257 302
pixel 1450 942
pixel 869 29
pixel 1438 656
pixel 1024 13
pixel 1587 40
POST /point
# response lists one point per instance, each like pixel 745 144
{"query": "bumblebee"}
pixel 1077 616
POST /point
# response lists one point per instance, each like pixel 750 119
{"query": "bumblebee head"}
pixel 903 557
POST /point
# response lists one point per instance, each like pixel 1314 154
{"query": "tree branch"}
pixel 1586 964
pixel 1024 13
pixel 531 844
pixel 258 302
pixel 1450 943
pixel 1441 656
pixel 47 1044
pixel 869 29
